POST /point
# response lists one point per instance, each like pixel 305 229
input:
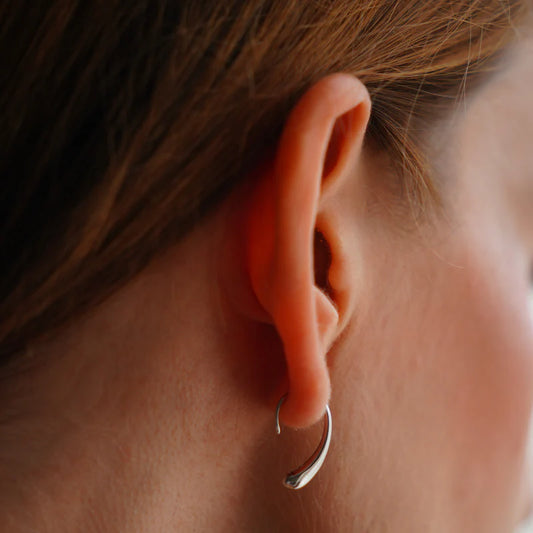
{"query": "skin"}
pixel 155 412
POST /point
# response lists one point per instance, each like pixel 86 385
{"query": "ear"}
pixel 289 224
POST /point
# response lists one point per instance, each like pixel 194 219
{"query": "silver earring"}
pixel 296 479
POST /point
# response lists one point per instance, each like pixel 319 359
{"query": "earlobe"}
pixel 323 132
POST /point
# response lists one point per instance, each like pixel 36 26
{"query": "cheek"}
pixel 483 353
pixel 494 337
pixel 499 330
pixel 435 388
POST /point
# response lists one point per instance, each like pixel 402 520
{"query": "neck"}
pixel 145 414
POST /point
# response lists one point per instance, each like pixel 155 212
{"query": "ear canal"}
pixel 326 312
pixel 322 263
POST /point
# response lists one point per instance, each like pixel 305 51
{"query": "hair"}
pixel 124 123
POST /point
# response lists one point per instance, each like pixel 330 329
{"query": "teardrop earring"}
pixel 301 476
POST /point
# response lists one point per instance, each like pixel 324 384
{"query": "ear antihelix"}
pixel 347 135
pixel 340 130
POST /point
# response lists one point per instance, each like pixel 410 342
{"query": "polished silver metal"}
pixel 296 479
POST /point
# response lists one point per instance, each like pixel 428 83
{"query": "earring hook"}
pixel 301 476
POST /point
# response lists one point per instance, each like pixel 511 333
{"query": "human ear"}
pixel 290 225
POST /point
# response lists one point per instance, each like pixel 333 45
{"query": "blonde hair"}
pixel 124 123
